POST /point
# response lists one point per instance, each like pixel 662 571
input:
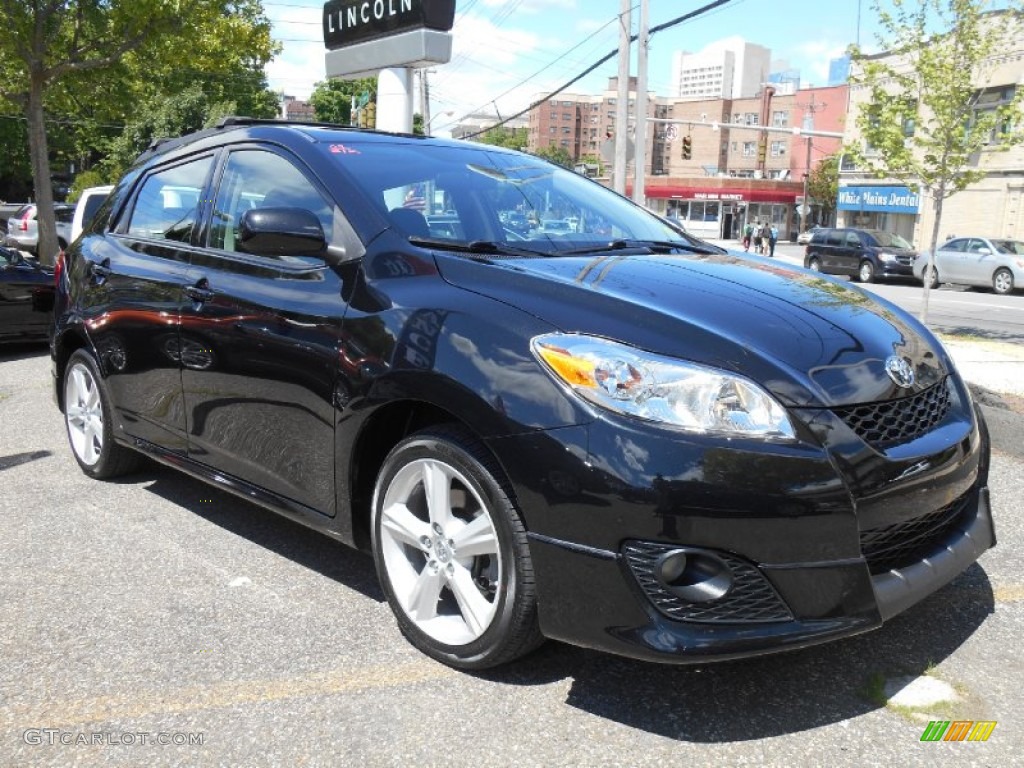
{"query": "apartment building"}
pixel 993 207
pixel 729 68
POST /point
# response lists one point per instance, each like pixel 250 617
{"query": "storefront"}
pixel 888 208
pixel 723 212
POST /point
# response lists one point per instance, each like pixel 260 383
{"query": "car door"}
pixel 133 300
pixel 26 296
pixel 260 340
pixel 978 263
pixel 949 258
pixel 851 252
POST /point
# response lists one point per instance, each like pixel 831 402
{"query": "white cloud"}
pixel 812 59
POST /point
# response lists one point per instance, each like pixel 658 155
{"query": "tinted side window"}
pixel 167 205
pixel 976 246
pixel 64 215
pixel 955 245
pixel 852 240
pixel 834 237
pixel 255 178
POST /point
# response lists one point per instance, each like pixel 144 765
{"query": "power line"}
pixel 653 31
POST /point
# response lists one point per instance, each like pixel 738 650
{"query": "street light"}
pixel 426 125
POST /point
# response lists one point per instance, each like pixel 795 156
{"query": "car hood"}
pixel 809 339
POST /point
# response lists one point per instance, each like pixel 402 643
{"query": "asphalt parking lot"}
pixel 156 609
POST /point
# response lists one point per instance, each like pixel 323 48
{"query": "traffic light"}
pixel 687 147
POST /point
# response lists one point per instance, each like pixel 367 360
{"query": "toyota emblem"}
pixel 900 372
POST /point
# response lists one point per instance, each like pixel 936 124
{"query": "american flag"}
pixel 414 199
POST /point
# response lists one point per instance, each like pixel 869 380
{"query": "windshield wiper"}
pixel 476 246
pixel 655 246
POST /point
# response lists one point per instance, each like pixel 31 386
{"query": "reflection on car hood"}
pixel 809 339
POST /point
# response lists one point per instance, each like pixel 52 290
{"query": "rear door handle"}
pixel 199 293
pixel 100 271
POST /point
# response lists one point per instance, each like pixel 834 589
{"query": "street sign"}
pixel 671 133
pixel 803 210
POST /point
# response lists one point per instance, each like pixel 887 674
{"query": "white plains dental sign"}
pixel 346 22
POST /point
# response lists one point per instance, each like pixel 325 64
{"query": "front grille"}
pixel 752 599
pixel 890 423
pixel 909 541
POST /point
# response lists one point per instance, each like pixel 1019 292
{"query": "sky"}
pixel 508 52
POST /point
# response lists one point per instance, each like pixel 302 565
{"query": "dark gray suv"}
pixel 863 254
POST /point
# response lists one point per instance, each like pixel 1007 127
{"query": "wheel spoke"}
pixel 476 538
pixel 422 600
pixel 404 526
pixel 79 384
pixel 437 486
pixel 474 607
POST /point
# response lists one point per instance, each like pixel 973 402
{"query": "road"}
pixel 157 606
pixel 951 309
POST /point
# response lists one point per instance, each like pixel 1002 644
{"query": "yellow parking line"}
pixel 132 705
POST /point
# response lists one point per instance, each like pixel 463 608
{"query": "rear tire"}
pixel 87 419
pixel 814 264
pixel 866 272
pixel 451 551
pixel 1002 281
pixel 931 277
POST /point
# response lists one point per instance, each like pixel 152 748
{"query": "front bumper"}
pixel 602 606
pixel 833 539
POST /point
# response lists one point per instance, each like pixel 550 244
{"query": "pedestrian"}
pixel 773 236
pixel 758 238
pixel 748 231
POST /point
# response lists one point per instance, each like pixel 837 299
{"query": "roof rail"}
pixel 233 120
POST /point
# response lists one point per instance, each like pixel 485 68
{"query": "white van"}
pixel 90 201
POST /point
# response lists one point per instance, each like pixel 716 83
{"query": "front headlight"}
pixel 661 389
pixel 887 257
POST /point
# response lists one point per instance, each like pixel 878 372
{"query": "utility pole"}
pixel 622 103
pixel 425 99
pixel 810 109
pixel 640 163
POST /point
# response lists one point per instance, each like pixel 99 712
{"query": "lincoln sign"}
pixel 347 22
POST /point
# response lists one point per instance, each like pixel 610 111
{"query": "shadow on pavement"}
pixel 23 350
pixel 712 703
pixel 267 529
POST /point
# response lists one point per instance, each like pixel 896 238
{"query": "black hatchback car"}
pixel 864 254
pixel 612 436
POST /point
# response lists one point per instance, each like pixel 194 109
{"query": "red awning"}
pixel 724 195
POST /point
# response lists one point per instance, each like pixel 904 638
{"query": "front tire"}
pixel 451 552
pixel 866 273
pixel 931 277
pixel 1002 281
pixel 87 419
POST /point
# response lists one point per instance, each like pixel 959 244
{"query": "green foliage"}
pixel 83 181
pixel 332 99
pixel 928 119
pixel 823 184
pixel 162 117
pixel 558 155
pixel 512 138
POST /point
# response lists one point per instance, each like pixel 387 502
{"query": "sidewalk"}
pixel 992 365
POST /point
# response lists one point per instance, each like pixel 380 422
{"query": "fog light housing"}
pixel 693 575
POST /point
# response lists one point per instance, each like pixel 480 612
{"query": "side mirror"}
pixel 984 251
pixel 281 232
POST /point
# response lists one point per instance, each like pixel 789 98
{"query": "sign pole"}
pixel 622 105
pixel 394 100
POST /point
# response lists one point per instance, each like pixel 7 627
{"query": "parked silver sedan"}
pixel 981 261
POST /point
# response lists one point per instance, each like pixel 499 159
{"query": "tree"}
pixel 555 154
pixel 332 99
pixel 823 185
pixel 513 138
pixel 47 45
pixel 933 108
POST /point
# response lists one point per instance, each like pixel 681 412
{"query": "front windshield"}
pixel 889 240
pixel 473 193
